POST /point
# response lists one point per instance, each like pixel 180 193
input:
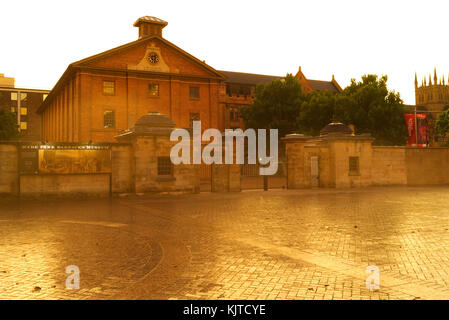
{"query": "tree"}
pixel 442 125
pixel 8 125
pixel 316 111
pixel 276 106
pixel 372 108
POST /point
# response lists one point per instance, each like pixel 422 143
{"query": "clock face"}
pixel 153 58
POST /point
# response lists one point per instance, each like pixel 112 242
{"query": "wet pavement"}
pixel 280 244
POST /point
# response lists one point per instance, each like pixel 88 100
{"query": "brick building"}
pixel 239 89
pixel 24 102
pixel 98 96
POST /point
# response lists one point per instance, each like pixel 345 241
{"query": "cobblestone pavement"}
pixel 280 244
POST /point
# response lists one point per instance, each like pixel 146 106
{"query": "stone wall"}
pixel 225 178
pixel 147 149
pixel 427 166
pixel 122 168
pixel 294 150
pixel 389 166
pixel 339 153
pixel 63 185
pixel 378 166
pixel 134 169
pixel 324 168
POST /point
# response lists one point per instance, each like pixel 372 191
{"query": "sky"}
pixel 39 39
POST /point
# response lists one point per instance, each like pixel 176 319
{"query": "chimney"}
pixel 150 26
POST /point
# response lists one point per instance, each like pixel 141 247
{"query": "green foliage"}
pixel 316 111
pixel 367 104
pixel 276 106
pixel 8 125
pixel 374 109
pixel 442 125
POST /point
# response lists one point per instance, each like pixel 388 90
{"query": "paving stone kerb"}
pixel 293 244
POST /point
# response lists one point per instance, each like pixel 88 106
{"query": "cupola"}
pixel 150 26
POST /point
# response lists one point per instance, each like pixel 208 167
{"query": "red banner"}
pixel 410 122
pixel 421 135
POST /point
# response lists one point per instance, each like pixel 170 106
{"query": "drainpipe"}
pixel 18 107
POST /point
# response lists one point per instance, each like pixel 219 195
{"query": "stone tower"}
pixel 434 94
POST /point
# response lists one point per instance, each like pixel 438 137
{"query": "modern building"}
pixel 24 103
pixel 101 95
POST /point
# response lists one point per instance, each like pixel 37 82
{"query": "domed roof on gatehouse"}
pixel 336 127
pixel 155 119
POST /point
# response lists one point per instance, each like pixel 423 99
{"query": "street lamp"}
pixel 265 177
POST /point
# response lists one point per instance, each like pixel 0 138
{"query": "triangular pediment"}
pixel 152 54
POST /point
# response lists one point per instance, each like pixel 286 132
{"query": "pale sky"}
pixel 39 39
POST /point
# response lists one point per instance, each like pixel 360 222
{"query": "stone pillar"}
pixel 152 170
pixel 294 151
pixel 122 168
pixel 226 177
pixel 341 149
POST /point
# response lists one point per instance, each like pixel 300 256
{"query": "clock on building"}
pixel 153 58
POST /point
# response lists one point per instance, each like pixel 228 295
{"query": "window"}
pixel 153 90
pixel 23 126
pixel 193 117
pixel 109 88
pixel 244 90
pixel 13 109
pixel 23 96
pixel 253 91
pixel 23 111
pixel 194 92
pixel 234 114
pixel 109 119
pixel 353 166
pixel 164 166
pixel 14 96
pixel 44 96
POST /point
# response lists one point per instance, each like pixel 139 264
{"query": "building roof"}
pixel 150 19
pixel 323 85
pixel 2 88
pixel 248 78
pixel 336 127
pixel 155 119
pixel 254 79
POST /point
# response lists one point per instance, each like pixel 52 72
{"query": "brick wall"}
pixel 75 113
pixel 8 169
